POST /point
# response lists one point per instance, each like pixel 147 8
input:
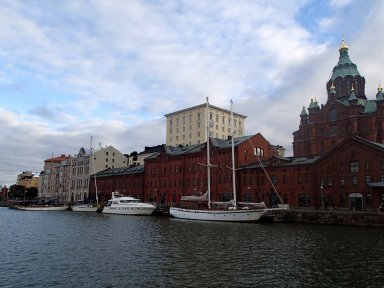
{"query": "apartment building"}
pixel 54 179
pixel 83 166
pixel 188 126
pixel 27 179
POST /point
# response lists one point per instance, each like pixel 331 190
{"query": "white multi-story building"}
pixel 83 166
pixel 188 126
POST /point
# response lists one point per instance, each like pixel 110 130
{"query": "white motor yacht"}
pixel 126 205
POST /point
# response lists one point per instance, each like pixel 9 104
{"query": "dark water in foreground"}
pixel 67 249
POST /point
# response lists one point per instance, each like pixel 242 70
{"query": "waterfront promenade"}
pixel 369 218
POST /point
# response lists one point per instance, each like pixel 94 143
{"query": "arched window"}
pixel 333 115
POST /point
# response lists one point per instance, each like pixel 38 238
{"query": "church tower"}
pixel 347 112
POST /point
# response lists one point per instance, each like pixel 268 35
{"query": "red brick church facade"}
pixel 346 113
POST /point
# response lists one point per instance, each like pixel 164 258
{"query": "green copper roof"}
pixel 380 95
pixel 370 107
pixel 303 112
pixel 352 96
pixel 313 104
pixel 344 67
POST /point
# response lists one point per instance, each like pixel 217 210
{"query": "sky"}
pixel 110 69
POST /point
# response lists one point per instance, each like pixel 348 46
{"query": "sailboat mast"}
pixel 208 156
pixel 233 158
pixel 94 174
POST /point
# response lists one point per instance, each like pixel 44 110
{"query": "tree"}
pixel 16 191
pixel 31 193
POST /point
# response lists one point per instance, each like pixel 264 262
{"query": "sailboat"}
pixel 219 211
pixel 88 207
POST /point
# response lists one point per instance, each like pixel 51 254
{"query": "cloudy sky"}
pixel 111 69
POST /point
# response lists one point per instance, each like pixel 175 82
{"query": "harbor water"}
pixel 68 249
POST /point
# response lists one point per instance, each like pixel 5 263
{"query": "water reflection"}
pixel 66 249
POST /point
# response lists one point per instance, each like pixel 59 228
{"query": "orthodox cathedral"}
pixel 347 112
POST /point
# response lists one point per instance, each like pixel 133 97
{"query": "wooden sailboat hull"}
pixel 239 215
pixel 42 208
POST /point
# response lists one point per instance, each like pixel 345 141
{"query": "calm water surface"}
pixel 67 249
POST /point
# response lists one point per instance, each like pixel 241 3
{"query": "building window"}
pixel 308 178
pixel 354 180
pixel 341 167
pixel 329 181
pixel 367 179
pixel 333 115
pixel 342 180
pixel 366 165
pixel 285 179
pixel 258 151
pixel 198 116
pixel 274 179
pixel 354 165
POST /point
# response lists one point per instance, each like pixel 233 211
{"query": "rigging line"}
pixel 265 171
pixel 254 185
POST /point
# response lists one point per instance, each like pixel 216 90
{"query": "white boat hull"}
pixel 129 210
pixel 42 208
pixel 240 215
pixel 84 208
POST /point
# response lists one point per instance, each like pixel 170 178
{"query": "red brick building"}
pixel 126 180
pixel 178 171
pixel 350 175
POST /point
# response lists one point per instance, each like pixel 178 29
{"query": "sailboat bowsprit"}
pixel 202 208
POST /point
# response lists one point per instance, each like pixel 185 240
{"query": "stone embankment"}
pixel 329 217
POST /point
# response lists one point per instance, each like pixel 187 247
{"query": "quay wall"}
pixel 329 217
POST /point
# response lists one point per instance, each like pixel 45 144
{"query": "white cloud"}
pixel 113 69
